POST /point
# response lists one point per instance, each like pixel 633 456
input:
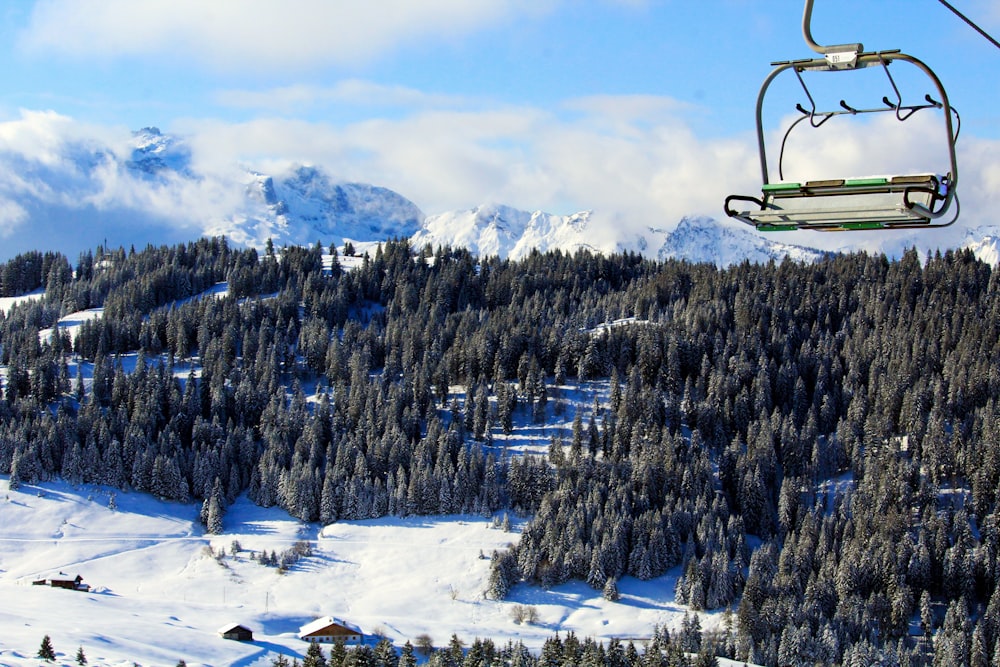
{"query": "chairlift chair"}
pixel 907 201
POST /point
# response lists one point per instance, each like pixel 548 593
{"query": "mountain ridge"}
pixel 151 190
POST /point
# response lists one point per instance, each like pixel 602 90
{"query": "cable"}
pixel 969 21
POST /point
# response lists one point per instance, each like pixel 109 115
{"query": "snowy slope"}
pixel 985 244
pixel 725 243
pixel 6 302
pixel 503 231
pixel 506 232
pixel 304 205
pixel 159 594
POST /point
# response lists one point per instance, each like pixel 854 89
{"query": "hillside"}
pixel 161 587
pixel 811 445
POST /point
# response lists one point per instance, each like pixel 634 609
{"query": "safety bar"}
pixel 870 59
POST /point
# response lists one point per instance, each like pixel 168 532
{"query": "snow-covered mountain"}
pixel 155 153
pixel 147 188
pixel 503 231
pixel 68 192
pixel 985 244
pixel 304 205
pixel 723 243
pixel 493 229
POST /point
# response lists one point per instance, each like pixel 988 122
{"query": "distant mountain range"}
pixel 151 192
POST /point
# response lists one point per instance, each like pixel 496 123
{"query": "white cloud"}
pixel 12 217
pixel 634 161
pixel 43 136
pixel 355 92
pixel 241 34
pixel 647 171
pixel 629 107
pixel 54 160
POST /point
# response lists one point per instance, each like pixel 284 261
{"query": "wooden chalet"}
pixel 236 632
pixel 63 580
pixel 328 630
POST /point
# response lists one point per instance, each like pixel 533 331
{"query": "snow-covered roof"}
pixel 229 627
pixel 324 622
pixel 61 576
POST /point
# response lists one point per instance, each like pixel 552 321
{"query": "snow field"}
pixel 161 587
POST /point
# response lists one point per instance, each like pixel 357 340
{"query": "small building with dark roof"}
pixel 236 632
pixel 63 580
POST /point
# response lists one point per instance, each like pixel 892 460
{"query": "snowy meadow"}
pixel 161 587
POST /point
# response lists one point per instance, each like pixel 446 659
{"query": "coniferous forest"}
pixel 815 447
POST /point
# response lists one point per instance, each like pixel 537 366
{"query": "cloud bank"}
pixel 636 164
pixel 259 34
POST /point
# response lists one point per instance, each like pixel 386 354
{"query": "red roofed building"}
pixel 329 629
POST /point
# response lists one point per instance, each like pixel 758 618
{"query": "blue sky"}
pixel 641 109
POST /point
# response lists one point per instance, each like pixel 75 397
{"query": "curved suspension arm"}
pixel 822 50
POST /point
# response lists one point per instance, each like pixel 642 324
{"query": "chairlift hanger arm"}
pixel 840 55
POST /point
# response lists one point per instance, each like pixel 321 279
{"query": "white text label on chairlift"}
pixel 842 59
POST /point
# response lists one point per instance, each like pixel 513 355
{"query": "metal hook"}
pixel 898 106
pixel 823 117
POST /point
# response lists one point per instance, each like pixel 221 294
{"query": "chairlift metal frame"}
pixel 915 201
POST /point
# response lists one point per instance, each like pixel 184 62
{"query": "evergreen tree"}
pixel 385 654
pixel 926 614
pixel 706 658
pixel 213 523
pixel 314 656
pixel 338 654
pixel 610 590
pixel 407 658
pixel 45 651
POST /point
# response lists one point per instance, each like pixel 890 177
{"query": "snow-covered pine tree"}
pixel 45 651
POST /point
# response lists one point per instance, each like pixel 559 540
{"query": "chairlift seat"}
pixel 878 202
pixel 917 201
